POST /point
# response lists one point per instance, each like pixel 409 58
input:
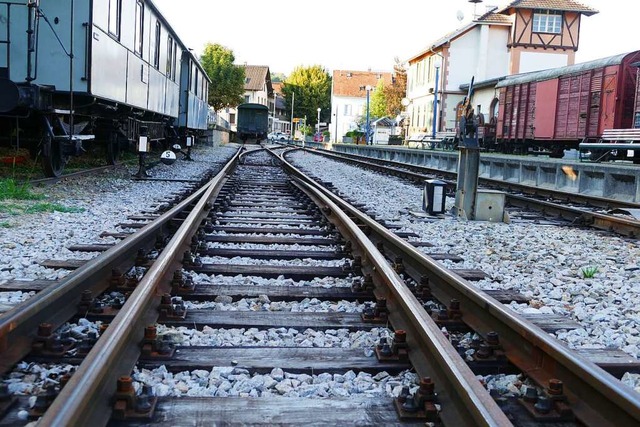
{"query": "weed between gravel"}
pixel 11 189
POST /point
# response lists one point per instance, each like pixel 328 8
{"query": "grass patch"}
pixel 5 224
pixel 11 189
pixel 589 272
pixel 51 207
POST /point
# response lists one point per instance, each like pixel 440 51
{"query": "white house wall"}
pixel 537 61
pixel 349 110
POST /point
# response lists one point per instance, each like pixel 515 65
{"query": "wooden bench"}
pixel 611 141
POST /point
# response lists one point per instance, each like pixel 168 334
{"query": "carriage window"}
pixel 156 53
pixel 170 53
pixel 175 59
pixel 547 21
pixel 114 17
pixel 138 42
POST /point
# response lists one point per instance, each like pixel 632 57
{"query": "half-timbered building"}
pixel 523 36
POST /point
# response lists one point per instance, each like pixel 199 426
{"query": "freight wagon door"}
pixel 546 102
pixel 609 86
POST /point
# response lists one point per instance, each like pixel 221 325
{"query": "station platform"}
pixel 619 180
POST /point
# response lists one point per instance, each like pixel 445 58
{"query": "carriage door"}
pixel 609 86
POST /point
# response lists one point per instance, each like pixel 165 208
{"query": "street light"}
pixel 368 124
pixel 435 100
pixel 275 102
pixel 318 132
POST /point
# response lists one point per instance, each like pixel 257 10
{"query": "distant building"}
pixel 259 89
pixel 524 36
pixel 349 98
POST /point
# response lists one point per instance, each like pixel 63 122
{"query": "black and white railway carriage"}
pixel 73 71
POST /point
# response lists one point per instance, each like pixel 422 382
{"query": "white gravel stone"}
pixel 225 381
pixel 100 202
pixel 544 263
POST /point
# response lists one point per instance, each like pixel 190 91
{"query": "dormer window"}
pixel 547 21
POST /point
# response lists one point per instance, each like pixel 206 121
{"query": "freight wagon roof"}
pixel 177 38
pixel 539 76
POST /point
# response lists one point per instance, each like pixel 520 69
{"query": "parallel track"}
pixel 550 202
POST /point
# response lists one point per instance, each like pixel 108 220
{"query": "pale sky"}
pixel 363 34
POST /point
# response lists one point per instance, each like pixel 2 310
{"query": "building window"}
pixel 156 53
pixel 232 118
pixel 246 98
pixel 347 109
pixel 170 53
pixel 114 18
pixel 139 40
pixel 547 21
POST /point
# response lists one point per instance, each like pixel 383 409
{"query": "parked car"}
pixel 278 136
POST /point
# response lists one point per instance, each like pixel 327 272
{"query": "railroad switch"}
pixel 128 406
pixel 154 347
pixel 377 313
pixel 550 405
pixel 172 308
pixel 48 344
pixel 423 405
pixel 398 351
pixel 182 283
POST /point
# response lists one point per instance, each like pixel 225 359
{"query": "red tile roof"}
pixel 564 5
pixel 348 83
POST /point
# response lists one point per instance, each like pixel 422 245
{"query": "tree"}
pixel 277 77
pixel 312 88
pixel 396 91
pixel 378 102
pixel 227 79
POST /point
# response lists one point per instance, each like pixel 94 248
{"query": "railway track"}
pixel 262 213
pixel 579 208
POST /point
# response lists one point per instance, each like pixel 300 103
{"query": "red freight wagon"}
pixel 556 109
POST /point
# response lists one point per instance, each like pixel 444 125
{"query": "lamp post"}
pixel 368 124
pixel 435 101
pixel 336 116
pixel 318 125
pixel 275 102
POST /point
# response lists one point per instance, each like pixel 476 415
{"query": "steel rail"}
pixel 597 201
pixel 57 304
pixel 86 398
pixel 464 400
pixel 600 221
pixel 596 397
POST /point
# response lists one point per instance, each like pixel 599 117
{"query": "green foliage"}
pixel 589 272
pixel 227 79
pixel 396 91
pixel 378 104
pixel 278 77
pixel 10 189
pixel 5 224
pixel 312 88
